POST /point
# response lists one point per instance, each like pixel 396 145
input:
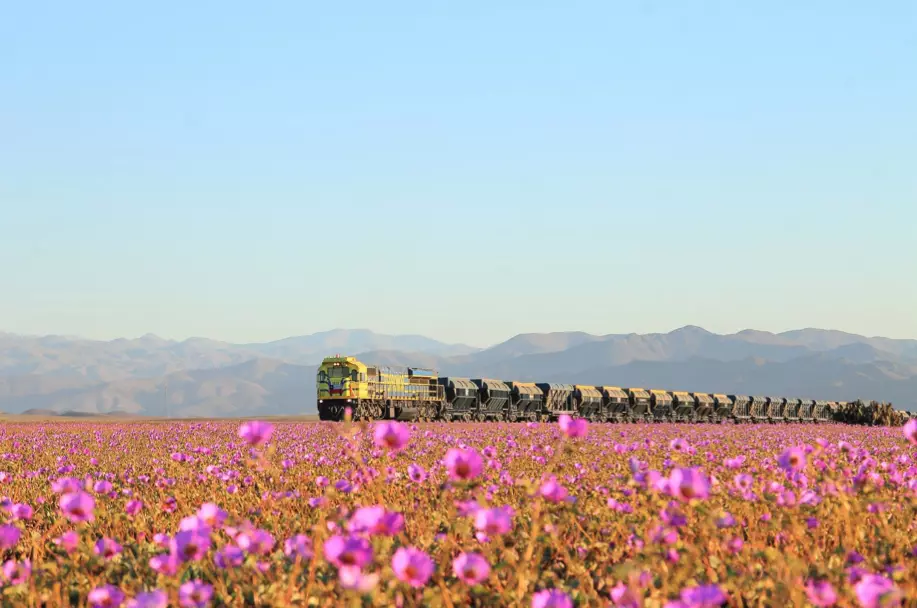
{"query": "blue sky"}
pixel 467 170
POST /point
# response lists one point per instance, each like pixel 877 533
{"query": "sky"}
pixel 464 170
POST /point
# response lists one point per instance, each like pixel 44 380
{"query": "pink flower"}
pixel 493 521
pixel 412 566
pixel 876 591
pixel 704 596
pixel 190 545
pixel 106 596
pixel 257 542
pixel 194 594
pixel 16 573
pixel 821 593
pixel 910 430
pixel 22 511
pixel 551 598
pixel 623 596
pixel 792 459
pixel 107 547
pixel 553 491
pixel 573 427
pixel 348 551
pixel 69 541
pixel 463 464
pixel 211 515
pixel 417 473
pixel 376 520
pixel 298 547
pixel 352 577
pixel 688 484
pixel 9 536
pixel 78 506
pixel 149 599
pixel 256 432
pixel 133 507
pixel 471 568
pixel 391 435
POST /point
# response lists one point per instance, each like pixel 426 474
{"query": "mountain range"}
pixel 208 378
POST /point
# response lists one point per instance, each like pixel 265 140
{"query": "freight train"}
pixel 374 392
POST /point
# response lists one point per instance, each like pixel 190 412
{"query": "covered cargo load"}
pixel 587 401
pixel 757 407
pixel 617 403
pixel 661 402
pixel 775 407
pixel 791 410
pixel 526 401
pixel 640 407
pixel 822 411
pixel 461 399
pixel 705 408
pixel 722 406
pixel 807 410
pixel 683 405
pixel 494 397
pixel 741 407
pixel 557 399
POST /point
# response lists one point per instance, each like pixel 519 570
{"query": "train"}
pixel 374 392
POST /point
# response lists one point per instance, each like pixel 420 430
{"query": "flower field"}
pixel 389 514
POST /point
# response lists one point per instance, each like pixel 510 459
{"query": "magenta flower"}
pixel 391 435
pixel 106 596
pixel 133 507
pixel 688 484
pixel 412 566
pixel 704 596
pixel 164 564
pixel 229 556
pixel 348 551
pixel 375 520
pixel 493 521
pixel 876 591
pixel 16 573
pixel 623 596
pixel 792 459
pixel 551 598
pixel 211 515
pixel 298 547
pixel 256 432
pixel 78 506
pixel 352 577
pixel 68 541
pixel 22 511
pixel 463 465
pixel 107 547
pixel 9 536
pixel 553 491
pixel 190 545
pixel 149 599
pixel 471 568
pixel 572 427
pixel 194 594
pixel 257 542
pixel 821 593
pixel 910 430
pixel 416 473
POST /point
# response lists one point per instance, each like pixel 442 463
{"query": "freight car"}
pixel 373 392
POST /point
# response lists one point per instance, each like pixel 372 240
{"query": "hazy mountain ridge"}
pixel 200 377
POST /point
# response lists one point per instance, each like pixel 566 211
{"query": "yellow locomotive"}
pixel 374 392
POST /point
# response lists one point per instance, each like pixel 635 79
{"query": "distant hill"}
pixel 152 376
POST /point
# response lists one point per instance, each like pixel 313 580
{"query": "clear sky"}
pixel 465 170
